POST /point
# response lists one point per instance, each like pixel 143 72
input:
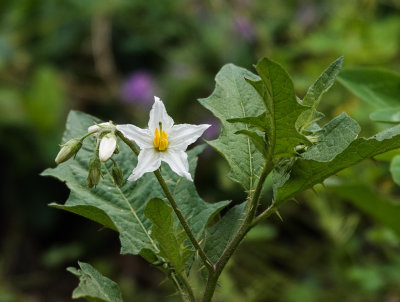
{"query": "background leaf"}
pixel 93 286
pixel 386 115
pixel 371 202
pixel 233 97
pixel 395 169
pixel 380 88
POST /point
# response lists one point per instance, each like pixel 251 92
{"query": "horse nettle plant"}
pixel 266 129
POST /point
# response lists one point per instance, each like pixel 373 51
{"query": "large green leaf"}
pixel 306 173
pixel 333 138
pixel 171 239
pixel 381 88
pixel 93 286
pixel 314 94
pixel 233 97
pixel 219 235
pixel 121 208
pixel 371 202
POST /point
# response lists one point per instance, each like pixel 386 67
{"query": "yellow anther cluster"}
pixel 160 140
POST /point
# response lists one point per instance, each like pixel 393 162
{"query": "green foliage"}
pixel 93 286
pixel 306 173
pixel 219 235
pixel 171 239
pixel 121 208
pixel 395 169
pixel 265 127
pixel 314 94
pixel 333 139
pixel 233 98
pixel 381 88
pixel 384 210
pixel 277 91
pixel 386 115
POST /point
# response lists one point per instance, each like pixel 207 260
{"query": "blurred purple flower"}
pixel 138 88
pixel 307 15
pixel 244 28
pixel 213 131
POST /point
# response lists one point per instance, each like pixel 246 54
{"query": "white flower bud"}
pixel 101 127
pixel 107 146
pixel 68 150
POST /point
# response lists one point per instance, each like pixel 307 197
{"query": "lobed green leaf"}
pixel 93 286
pixel 277 91
pixel 233 97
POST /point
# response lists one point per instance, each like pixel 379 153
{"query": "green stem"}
pixel 178 287
pixel 234 243
pixel 183 221
pixel 87 134
pixel 174 205
pixel 270 210
pixel 188 288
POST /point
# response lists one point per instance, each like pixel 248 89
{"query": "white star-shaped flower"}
pixel 162 141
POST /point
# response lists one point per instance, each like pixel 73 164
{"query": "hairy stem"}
pixel 183 221
pixel 234 243
pixel 265 214
pixel 174 205
pixel 188 288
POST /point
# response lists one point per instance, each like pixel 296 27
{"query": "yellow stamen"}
pixel 160 141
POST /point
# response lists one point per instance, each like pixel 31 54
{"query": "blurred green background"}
pixel 108 58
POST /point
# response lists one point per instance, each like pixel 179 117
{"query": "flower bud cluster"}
pixel 106 146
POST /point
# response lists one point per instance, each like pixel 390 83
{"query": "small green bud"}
pixel 300 148
pixel 94 172
pixel 116 151
pixel 68 150
pixel 117 175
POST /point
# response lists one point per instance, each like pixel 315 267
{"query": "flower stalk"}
pixel 175 207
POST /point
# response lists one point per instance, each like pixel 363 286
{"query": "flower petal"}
pixel 142 137
pixel 159 114
pixel 181 136
pixel 107 146
pixel 148 161
pixel 178 162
